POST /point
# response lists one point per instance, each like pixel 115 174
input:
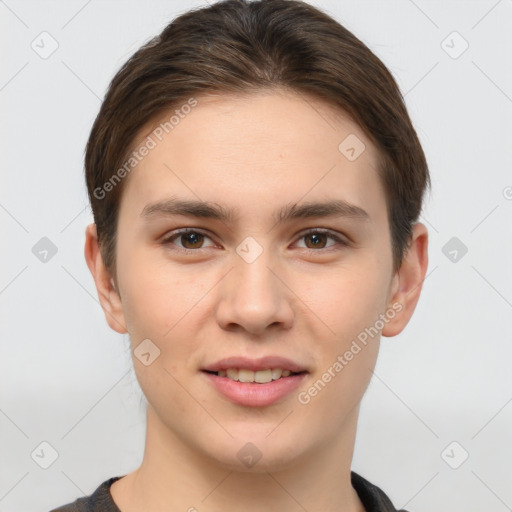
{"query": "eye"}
pixel 317 237
pixel 191 238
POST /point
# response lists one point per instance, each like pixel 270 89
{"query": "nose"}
pixel 254 297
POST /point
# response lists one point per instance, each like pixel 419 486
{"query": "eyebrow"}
pixel 210 210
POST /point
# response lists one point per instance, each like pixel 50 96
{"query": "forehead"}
pixel 258 148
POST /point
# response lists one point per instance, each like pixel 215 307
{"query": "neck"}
pixel 174 476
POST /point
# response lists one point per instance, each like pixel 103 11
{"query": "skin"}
pixel 299 300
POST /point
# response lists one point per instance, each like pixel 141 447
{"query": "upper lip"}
pixel 262 363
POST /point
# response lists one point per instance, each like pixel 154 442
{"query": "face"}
pixel 252 285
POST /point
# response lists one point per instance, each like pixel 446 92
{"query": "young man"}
pixel 256 183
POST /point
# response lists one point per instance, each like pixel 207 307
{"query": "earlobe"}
pixel 109 298
pixel 408 281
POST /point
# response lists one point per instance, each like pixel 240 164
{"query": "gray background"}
pixel 66 378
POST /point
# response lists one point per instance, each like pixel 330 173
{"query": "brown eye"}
pixel 317 239
pixel 194 239
pixel 190 239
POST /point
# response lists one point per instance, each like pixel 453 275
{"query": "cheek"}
pixel 346 360
pixel 158 295
pixel 353 311
pixel 158 306
pixel 346 300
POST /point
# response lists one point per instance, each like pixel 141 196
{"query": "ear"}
pixel 408 281
pixel 109 298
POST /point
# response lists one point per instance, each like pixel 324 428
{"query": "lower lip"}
pixel 252 394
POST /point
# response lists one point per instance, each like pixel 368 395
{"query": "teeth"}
pixel 263 376
pixel 260 376
pixel 232 373
pixel 276 373
pixel 245 375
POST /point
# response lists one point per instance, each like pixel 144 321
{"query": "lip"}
pixel 251 394
pixel 262 363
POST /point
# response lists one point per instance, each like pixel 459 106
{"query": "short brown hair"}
pixel 238 46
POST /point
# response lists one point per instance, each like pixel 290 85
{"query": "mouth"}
pixel 255 382
pixel 250 376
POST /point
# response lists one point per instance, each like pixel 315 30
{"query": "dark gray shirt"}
pixel 373 498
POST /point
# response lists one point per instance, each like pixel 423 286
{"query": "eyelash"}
pixel 176 234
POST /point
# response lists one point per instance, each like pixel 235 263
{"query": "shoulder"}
pixel 373 498
pixel 99 501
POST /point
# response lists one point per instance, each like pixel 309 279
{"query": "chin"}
pixel 258 453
